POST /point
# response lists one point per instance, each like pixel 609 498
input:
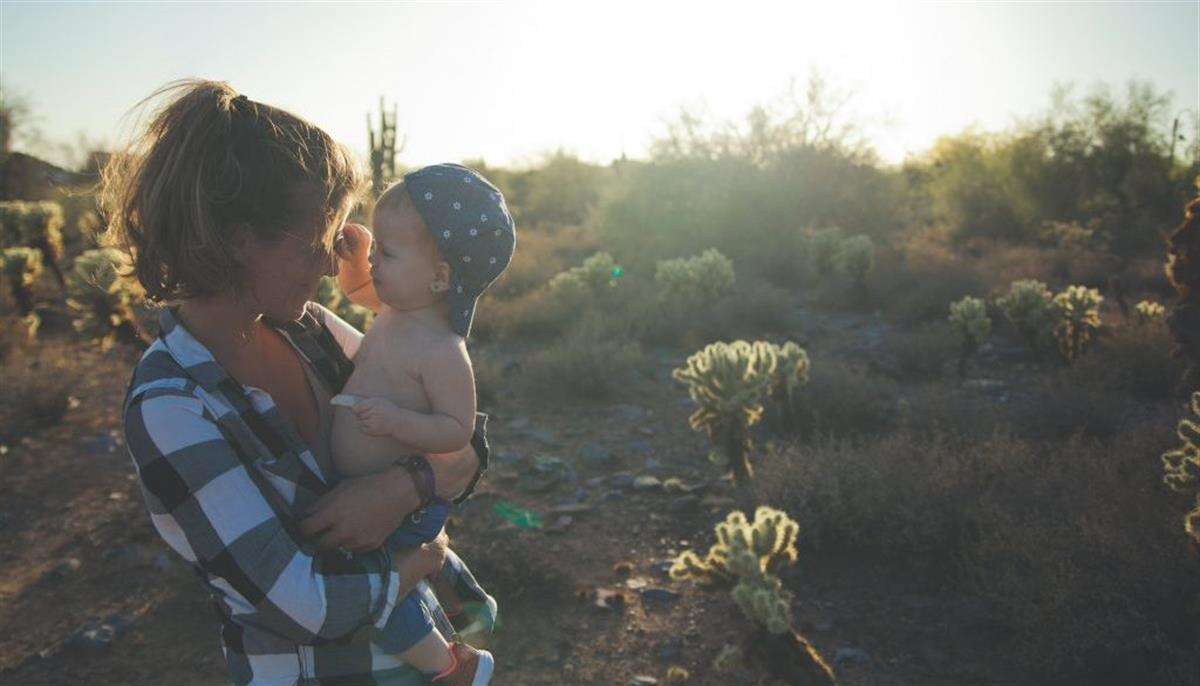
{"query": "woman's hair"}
pixel 212 163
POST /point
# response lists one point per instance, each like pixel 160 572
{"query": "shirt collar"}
pixel 190 353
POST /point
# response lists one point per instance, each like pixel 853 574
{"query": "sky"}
pixel 509 82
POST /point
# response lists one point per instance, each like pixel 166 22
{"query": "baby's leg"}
pixel 470 609
pixel 410 632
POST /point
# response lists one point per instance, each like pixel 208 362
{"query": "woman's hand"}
pixel 354 266
pixel 421 562
pixel 360 512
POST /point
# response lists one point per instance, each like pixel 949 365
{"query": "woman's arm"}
pixel 207 507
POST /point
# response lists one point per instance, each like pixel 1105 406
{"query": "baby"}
pixel 441 236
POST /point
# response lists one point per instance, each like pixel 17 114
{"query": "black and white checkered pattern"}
pixel 289 613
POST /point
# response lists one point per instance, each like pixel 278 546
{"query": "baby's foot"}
pixel 471 667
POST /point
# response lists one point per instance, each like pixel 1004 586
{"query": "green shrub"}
pixel 692 283
pixel 854 258
pixel 35 225
pixel 843 402
pixel 823 249
pixel 594 361
pixel 1029 306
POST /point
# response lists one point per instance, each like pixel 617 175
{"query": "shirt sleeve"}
pixel 208 509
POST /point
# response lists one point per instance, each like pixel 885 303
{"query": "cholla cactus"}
pixel 330 296
pixel 747 553
pixel 970 320
pixel 1149 312
pixel 791 372
pixel 694 282
pixel 597 274
pixel 743 549
pixel 1078 310
pixel 855 257
pixel 21 267
pixel 1030 307
pixel 824 245
pixel 35 225
pixel 103 300
pixel 728 381
pixel 1182 465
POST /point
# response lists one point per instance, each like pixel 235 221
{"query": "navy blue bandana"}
pixel 475 233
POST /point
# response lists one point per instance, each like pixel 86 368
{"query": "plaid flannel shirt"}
pixel 289 614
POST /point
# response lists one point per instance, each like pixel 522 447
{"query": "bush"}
pixel 692 283
pixel 1072 546
pixel 841 401
pixel 102 301
pixel 855 257
pixel 594 361
pixel 1029 307
pixel 36 388
pixel 924 352
pixel 1133 360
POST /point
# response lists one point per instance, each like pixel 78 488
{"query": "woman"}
pixel 234 210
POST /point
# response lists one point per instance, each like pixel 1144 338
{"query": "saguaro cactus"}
pixel 1078 311
pixel 1182 465
pixel 103 301
pixel 746 555
pixel 970 320
pixel 382 145
pixel 728 382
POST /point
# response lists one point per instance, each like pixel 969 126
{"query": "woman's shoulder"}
pixel 157 368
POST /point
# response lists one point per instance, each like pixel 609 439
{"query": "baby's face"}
pixel 404 257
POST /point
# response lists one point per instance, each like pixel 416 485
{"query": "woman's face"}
pixel 283 275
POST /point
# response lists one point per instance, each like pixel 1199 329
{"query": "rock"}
pixel 621 480
pixel 717 501
pixel 570 508
pixel 658 596
pixel 646 431
pixel 542 435
pixel 628 413
pixel 595 453
pixel 670 649
pixel 506 457
pixel 852 655
pixel 61 571
pixel 127 554
pixel 646 483
pixel 559 525
pixel 638 447
pixel 684 503
pixel 612 496
pixel 163 562
pixel 643 680
pixel 95 637
pixel 518 423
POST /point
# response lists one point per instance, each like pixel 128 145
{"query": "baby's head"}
pixel 441 232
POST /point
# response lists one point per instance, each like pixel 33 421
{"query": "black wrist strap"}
pixel 480 443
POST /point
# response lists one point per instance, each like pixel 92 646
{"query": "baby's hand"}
pixel 377 416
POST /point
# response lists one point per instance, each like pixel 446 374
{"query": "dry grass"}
pixel 35 393
pixel 1076 546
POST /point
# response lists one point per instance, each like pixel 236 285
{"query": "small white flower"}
pixel 492 261
pixel 428 195
pixel 446 233
pixel 466 258
pixel 474 232
pixel 466 179
pixel 457 205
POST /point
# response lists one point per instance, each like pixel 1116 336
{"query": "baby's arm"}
pixel 450 386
